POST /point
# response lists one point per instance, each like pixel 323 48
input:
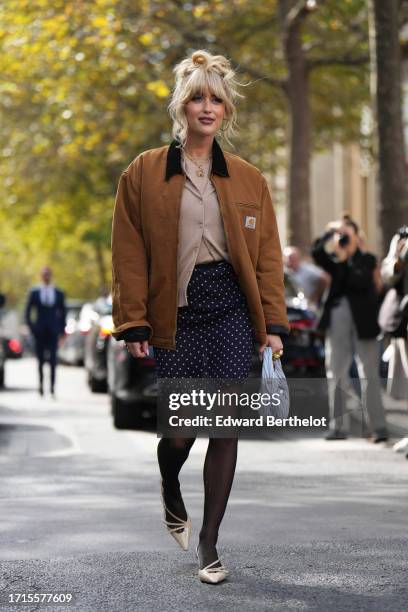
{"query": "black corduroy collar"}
pixel 173 165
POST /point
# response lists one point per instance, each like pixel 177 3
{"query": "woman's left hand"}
pixel 274 342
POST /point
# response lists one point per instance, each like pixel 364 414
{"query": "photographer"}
pixel 349 320
pixel 393 318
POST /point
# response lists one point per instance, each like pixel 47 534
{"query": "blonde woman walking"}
pixel 197 273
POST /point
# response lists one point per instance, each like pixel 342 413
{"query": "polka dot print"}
pixel 214 332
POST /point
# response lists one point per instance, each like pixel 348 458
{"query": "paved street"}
pixel 311 524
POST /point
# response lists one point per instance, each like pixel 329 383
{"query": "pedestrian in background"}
pixel 349 320
pixel 48 304
pixel 393 319
pixel 311 279
pixel 197 272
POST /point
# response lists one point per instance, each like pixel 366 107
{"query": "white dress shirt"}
pixel 47 294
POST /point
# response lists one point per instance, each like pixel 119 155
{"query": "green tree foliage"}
pixel 85 87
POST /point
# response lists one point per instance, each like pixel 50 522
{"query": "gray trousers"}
pixel 342 344
pixel 397 383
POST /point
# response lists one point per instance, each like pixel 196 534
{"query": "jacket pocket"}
pixel 247 205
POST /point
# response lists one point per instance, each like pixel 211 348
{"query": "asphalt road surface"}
pixel 311 524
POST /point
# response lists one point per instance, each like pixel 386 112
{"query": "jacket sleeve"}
pixel 134 334
pixel 27 311
pixel 390 273
pixel 129 260
pixel 360 276
pixel 63 313
pixel 269 269
pixel 320 256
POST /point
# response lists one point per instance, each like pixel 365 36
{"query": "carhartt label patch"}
pixel 250 222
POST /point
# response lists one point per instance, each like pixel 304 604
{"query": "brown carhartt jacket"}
pixel 145 237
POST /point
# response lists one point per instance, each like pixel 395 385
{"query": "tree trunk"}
pixel 101 267
pixel 392 163
pixel 299 230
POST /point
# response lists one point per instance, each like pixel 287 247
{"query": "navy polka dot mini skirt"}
pixel 214 332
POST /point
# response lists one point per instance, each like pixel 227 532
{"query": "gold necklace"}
pixel 198 162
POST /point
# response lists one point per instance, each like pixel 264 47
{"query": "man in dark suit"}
pixel 49 303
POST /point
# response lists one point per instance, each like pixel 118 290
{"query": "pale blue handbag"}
pixel 275 385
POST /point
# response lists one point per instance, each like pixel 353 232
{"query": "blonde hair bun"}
pixel 218 63
pixel 199 58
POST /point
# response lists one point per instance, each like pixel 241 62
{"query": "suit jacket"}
pixel 354 279
pixel 145 231
pixel 48 318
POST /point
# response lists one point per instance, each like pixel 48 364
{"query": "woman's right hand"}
pixel 138 349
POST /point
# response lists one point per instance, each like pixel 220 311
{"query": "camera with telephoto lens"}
pixel 403 231
pixel 344 240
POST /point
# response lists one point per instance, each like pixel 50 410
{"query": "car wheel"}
pixel 124 415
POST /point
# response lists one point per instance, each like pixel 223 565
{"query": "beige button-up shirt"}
pixel 201 229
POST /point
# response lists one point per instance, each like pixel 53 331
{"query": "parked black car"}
pixel 132 386
pixel 96 343
pixel 79 322
pixel 304 347
pixel 132 382
pixel 12 345
pixel 2 347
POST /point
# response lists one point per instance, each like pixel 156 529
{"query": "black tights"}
pixel 219 469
